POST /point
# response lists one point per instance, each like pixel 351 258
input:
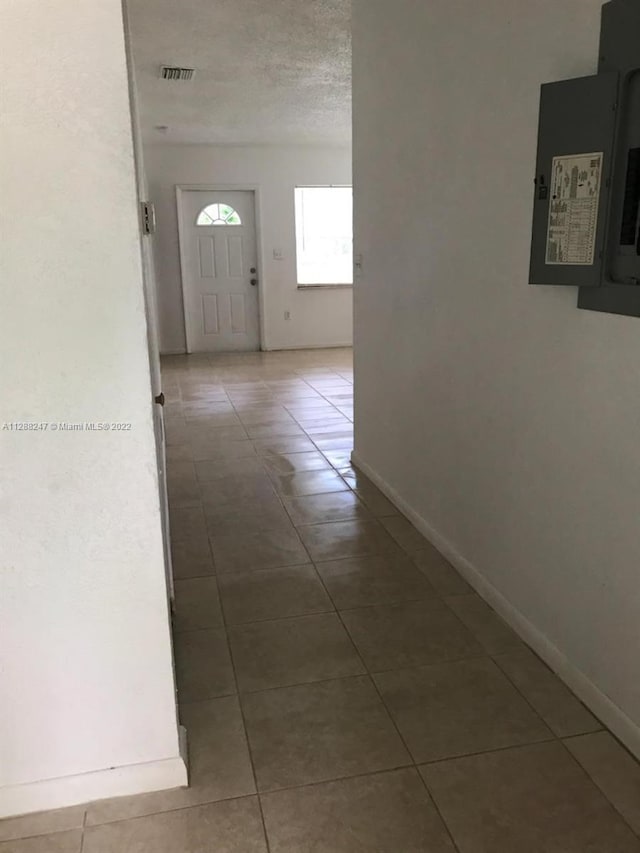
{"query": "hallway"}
pixel 330 659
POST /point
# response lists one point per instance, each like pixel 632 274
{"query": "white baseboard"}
pixel 183 746
pixel 86 787
pixel 272 349
pixel 307 346
pixel 598 702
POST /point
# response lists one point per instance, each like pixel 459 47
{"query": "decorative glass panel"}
pixel 218 214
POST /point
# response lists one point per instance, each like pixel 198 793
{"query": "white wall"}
pixel 87 704
pixel 501 416
pixel 318 317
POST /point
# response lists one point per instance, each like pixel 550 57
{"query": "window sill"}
pixel 325 287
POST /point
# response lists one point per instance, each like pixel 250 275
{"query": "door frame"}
pixel 253 188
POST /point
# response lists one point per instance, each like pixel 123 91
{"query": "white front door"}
pixel 219 270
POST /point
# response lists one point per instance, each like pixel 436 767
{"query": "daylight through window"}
pixel 324 235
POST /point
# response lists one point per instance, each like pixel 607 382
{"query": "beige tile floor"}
pixel 343 688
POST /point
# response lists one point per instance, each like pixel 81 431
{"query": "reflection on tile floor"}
pixel 343 688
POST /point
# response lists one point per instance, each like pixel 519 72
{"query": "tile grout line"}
pixel 388 711
pixel 398 732
pixel 171 810
pixel 595 783
pixel 240 702
pixel 411 765
pixel 445 824
pixel 233 665
pixel 244 725
pixel 438 811
pixel 486 653
pixel 395 725
pixel 491 656
pixel 230 649
pixel 555 738
pixel 366 672
pixel 279 497
pixel 84 826
pixel 324 612
pixel 331 404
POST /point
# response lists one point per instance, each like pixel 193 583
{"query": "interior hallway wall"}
pixel 504 419
pixel 319 317
pixel 88 703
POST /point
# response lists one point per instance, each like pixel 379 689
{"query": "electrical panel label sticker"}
pixel 573 209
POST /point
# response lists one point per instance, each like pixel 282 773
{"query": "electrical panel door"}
pixel 573 180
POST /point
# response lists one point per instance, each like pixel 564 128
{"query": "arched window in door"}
pixel 218 214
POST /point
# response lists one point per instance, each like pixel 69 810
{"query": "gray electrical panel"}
pixel 586 221
pixel 575 155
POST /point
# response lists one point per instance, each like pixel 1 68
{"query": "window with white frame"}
pixel 324 235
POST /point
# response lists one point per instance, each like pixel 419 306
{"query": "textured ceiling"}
pixel 267 71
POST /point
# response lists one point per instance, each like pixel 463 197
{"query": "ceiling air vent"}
pixel 174 72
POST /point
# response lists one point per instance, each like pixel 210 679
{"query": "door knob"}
pixel 254 281
pixel 160 399
pixel 253 270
